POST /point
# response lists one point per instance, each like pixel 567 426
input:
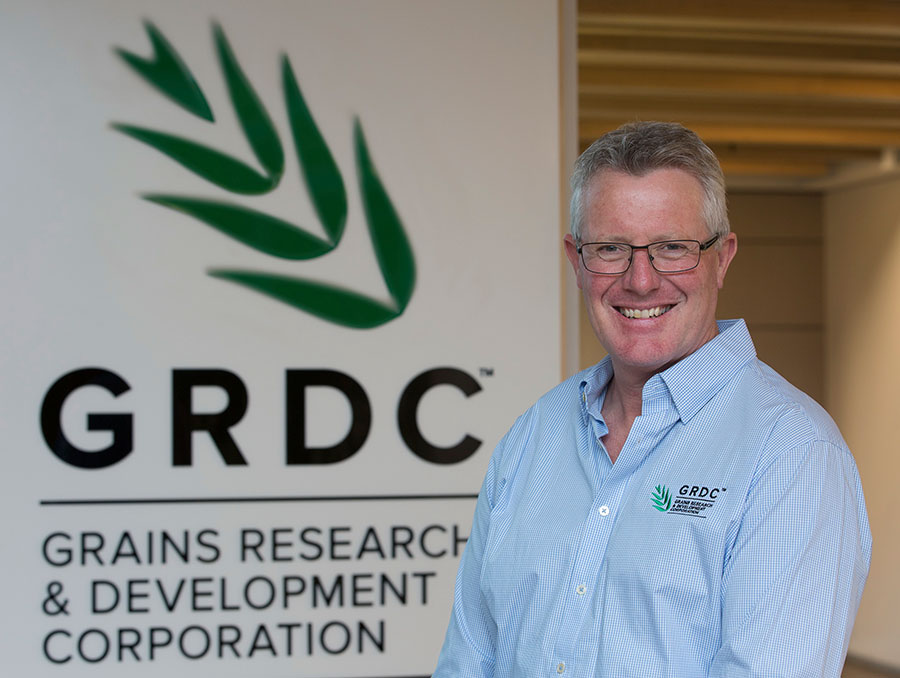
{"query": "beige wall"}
pixel 862 387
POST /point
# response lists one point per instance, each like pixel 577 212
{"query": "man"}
pixel 678 509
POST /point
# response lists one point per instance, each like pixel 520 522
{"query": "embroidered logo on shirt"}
pixel 661 498
pixel 691 500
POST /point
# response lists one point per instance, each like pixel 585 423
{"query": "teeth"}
pixel 645 312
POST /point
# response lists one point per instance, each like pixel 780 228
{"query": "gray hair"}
pixel 638 148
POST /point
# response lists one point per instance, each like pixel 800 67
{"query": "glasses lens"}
pixel 606 257
pixel 672 256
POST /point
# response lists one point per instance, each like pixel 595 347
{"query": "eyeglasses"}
pixel 666 256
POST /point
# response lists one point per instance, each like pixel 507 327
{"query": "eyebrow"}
pixel 623 239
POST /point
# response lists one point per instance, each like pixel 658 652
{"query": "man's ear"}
pixel 574 258
pixel 725 252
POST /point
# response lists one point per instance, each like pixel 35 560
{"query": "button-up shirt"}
pixel 729 538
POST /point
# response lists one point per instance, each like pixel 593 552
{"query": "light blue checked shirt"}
pixel 730 537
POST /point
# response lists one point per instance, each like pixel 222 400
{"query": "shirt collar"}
pixel 693 381
pixel 593 388
pixel 690 383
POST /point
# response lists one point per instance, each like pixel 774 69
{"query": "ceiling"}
pixel 794 93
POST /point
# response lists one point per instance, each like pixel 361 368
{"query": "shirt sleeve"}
pixel 469 646
pixel 793 578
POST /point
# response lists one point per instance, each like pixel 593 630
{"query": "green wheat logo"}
pixel 169 74
pixel 662 500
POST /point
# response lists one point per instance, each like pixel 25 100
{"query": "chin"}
pixel 646 359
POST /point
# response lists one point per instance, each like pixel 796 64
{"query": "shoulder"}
pixel 802 451
pixel 800 469
pixel 552 417
pixel 557 405
pixel 791 416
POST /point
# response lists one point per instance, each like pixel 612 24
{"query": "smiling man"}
pixel 678 509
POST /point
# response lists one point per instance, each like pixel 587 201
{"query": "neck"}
pixel 621 406
pixel 624 397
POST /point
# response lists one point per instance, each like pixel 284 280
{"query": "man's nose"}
pixel 641 276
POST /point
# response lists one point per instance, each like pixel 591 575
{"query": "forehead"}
pixel 663 204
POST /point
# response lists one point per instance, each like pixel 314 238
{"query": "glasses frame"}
pixel 703 247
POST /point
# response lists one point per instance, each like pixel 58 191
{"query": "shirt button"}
pixel 561 667
pixel 580 589
pixel 603 510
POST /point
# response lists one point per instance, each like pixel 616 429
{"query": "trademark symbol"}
pixel 486 371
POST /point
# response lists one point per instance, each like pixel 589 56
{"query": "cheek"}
pixel 710 279
pixel 594 288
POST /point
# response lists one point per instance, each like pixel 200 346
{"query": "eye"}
pixel 673 249
pixel 606 250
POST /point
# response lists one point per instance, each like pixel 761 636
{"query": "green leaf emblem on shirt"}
pixel 661 499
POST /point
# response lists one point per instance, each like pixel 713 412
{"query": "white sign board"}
pixel 277 276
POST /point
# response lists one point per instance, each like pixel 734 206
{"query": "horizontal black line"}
pixel 251 500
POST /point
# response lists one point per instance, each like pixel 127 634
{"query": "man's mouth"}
pixel 636 313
